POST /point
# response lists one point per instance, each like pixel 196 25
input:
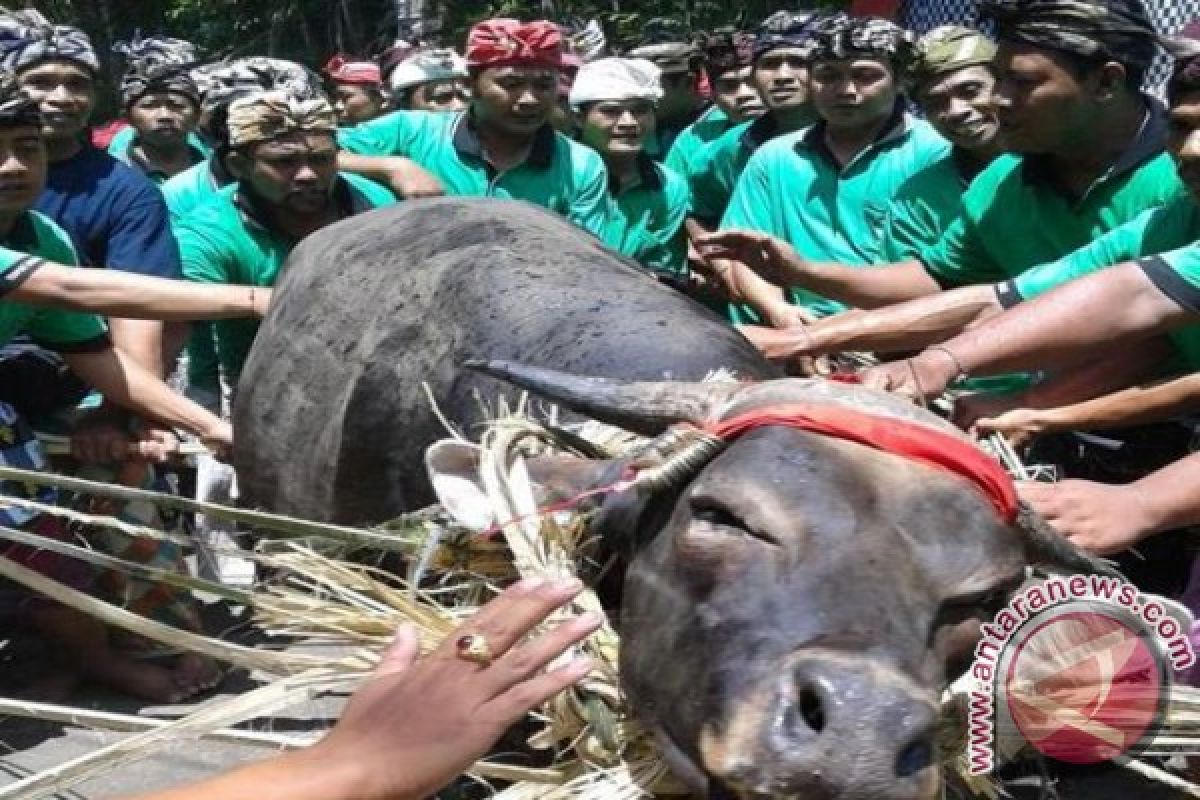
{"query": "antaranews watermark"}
pixel 1078 666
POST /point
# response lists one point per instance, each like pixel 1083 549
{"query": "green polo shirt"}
pixel 225 241
pixel 1014 218
pixel 122 139
pixel 689 145
pixel 924 208
pixel 191 188
pixel 129 157
pixel 1172 227
pixel 794 189
pixel 559 174
pixel 648 225
pixel 722 162
pixel 34 241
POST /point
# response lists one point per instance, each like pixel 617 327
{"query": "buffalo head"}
pixel 795 603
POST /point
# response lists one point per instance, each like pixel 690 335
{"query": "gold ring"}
pixel 474 647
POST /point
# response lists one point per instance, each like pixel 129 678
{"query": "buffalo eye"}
pixel 716 517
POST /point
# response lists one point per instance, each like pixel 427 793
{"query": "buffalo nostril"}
pixel 915 757
pixel 812 709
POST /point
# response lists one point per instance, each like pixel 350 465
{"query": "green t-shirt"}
pixel 1156 230
pixel 34 241
pixel 687 150
pixel 559 174
pixel 923 209
pixel 1013 218
pixel 648 225
pixel 190 189
pixel 223 241
pixel 792 188
pixel 721 163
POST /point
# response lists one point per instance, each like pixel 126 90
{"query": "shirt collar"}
pixel 134 160
pixel 466 142
pixel 647 174
pixel 760 131
pixel 1148 143
pixel 896 128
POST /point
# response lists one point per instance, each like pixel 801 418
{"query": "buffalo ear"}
pixel 453 469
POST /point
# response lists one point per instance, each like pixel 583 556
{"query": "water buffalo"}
pixel 331 413
pixel 792 607
pixel 795 604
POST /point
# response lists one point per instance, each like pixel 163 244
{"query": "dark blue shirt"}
pixel 115 216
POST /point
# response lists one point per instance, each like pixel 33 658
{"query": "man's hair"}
pixel 1082 66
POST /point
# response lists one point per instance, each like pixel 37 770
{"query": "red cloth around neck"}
pixel 900 437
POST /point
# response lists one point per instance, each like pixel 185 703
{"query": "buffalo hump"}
pixel 331 418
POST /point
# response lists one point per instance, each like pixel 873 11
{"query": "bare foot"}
pixel 196 674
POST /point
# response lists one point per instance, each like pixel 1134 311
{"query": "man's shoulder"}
pixel 581 158
pixel 373 193
pixel 213 218
pixel 939 177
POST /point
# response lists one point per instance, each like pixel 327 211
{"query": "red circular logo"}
pixel 1084 686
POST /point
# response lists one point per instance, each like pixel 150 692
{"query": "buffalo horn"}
pixel 645 408
pixel 1046 546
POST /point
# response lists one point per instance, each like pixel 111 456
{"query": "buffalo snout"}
pixel 830 725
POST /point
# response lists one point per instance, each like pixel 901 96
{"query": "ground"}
pixel 29 746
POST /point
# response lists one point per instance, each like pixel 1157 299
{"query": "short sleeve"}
pixel 390 135
pixel 959 258
pixel 1124 243
pixel 1177 275
pixel 56 329
pixel 140 239
pixel 204 258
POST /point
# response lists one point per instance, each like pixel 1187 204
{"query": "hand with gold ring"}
pixel 418 724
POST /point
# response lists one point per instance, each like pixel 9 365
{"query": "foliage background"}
pixel 310 31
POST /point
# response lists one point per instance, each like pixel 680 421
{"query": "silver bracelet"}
pixel 962 373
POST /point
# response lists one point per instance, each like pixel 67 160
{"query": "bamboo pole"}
pixel 257 519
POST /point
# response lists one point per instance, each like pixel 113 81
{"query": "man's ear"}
pixel 1111 79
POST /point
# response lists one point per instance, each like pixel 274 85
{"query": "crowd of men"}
pixel 1009 214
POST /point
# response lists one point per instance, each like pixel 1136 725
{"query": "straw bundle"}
pixel 599 752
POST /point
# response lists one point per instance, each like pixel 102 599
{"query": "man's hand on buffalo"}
pixel 419 723
pixel 768 256
pixel 1100 518
pixel 921 378
pixel 1019 426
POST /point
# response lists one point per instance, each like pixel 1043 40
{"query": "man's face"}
pixel 163 118
pixel 355 103
pixel 295 173
pixel 853 93
pixel 1042 106
pixel 515 100
pixel 65 93
pixel 680 95
pixel 22 168
pixel 1183 139
pixel 782 78
pixel 959 106
pixel 617 128
pixel 451 95
pixel 734 93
